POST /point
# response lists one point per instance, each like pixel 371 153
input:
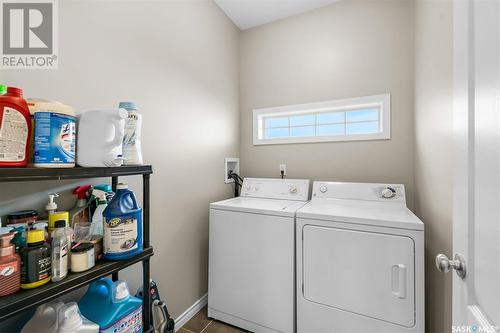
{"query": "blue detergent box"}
pixel 55 138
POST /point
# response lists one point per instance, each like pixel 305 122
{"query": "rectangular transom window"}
pixel 361 118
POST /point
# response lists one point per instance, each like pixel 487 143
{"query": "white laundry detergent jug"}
pixel 45 319
pixel 100 137
pixel 71 320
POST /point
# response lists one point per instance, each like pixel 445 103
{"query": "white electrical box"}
pixel 231 164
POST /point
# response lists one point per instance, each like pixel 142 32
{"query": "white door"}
pixel 340 267
pixel 476 215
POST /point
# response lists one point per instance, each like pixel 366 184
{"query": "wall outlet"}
pixel 283 169
pixel 231 164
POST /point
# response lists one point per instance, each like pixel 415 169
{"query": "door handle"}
pixel 399 280
pixel 444 264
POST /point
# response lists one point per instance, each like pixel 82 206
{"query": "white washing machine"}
pixel 360 261
pixel 251 280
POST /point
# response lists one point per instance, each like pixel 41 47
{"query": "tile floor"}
pixel 200 323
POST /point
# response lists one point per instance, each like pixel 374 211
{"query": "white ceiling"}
pixel 251 13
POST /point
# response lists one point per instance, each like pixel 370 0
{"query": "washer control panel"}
pixel 359 191
pixel 289 189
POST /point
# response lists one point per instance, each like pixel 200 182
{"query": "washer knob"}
pixel 323 189
pixel 257 188
pixel 293 189
pixel 388 192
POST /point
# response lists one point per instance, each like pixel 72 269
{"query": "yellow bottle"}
pixel 36 264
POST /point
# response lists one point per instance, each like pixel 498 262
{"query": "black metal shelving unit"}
pixel 26 299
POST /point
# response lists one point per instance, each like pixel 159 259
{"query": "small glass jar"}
pixel 82 257
pixel 26 216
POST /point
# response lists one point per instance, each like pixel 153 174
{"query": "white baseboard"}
pixel 189 313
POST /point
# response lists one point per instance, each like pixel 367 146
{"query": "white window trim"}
pixel 383 101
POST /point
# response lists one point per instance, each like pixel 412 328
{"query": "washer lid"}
pixel 259 206
pixel 376 213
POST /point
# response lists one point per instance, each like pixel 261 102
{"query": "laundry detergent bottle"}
pixel 15 129
pixel 110 305
pixel 45 319
pixel 71 321
pixel 100 137
pixel 122 225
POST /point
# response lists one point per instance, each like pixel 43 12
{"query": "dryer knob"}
pixel 293 189
pixel 323 189
pixel 388 192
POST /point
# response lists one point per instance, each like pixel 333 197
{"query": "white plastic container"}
pixel 57 317
pixel 71 321
pixel 100 137
pixel 132 152
pixel 45 319
pixel 54 134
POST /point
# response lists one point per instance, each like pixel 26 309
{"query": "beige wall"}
pixel 178 60
pixel 348 49
pixel 433 150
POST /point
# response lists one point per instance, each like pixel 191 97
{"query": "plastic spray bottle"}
pixel 80 213
pixel 97 225
pixel 106 188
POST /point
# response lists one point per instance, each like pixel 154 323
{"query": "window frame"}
pixel 382 101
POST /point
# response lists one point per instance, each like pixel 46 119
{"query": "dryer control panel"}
pixel 288 189
pixel 359 191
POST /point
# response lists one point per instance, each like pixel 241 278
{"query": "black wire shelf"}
pixel 25 299
pixel 18 302
pixel 37 174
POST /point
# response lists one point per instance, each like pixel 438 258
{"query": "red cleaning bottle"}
pixel 15 129
pixel 81 211
pixel 10 266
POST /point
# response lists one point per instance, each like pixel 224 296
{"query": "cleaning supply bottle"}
pixel 35 261
pixel 71 321
pixel 51 206
pixel 97 225
pixel 111 306
pixel 15 129
pixel 57 216
pixel 55 133
pixel 3 89
pixel 132 153
pixel 45 319
pixel 122 225
pixel 100 137
pixel 80 213
pixel 10 266
pixel 104 187
pixel 60 252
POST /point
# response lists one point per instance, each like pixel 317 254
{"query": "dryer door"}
pixel 366 273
